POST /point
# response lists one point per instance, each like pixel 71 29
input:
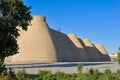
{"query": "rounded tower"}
pixel 36 44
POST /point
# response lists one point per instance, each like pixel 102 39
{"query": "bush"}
pixel 73 76
pixel 43 74
pixel 96 74
pixel 60 76
pixel 47 75
pixel 79 68
pixel 118 71
pixel 118 56
pixel 107 71
pixel 33 76
pixel 21 74
pixel 91 71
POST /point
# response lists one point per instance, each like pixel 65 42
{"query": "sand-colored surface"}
pixel 40 43
pixel 81 55
pixel 36 45
pixel 92 52
pixel 104 53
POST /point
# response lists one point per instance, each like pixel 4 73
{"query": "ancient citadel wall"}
pixel 43 44
pixel 92 52
pixel 80 51
pixel 36 44
pixel 63 45
pixel 104 53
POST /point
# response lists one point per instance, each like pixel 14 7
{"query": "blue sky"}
pixel 98 20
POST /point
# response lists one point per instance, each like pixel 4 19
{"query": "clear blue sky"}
pixel 98 20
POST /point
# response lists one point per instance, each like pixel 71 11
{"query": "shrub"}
pixel 118 71
pixel 48 76
pixel 96 74
pixel 79 68
pixel 82 76
pixel 43 74
pixel 91 71
pixel 73 76
pixel 107 71
pixel 60 76
pixel 118 56
pixel 33 76
pixel 21 74
pixel 107 75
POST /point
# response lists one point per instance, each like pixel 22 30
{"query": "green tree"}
pixel 13 14
pixel 118 56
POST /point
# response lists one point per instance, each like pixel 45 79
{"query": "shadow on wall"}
pixel 63 46
pixel 43 44
pixel 103 52
pixel 68 51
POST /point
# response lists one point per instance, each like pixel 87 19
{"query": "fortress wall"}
pixel 8 59
pixel 104 53
pixel 74 39
pixel 80 51
pixel 43 44
pixel 101 49
pixel 92 52
pixel 85 50
pixel 64 47
pixel 35 44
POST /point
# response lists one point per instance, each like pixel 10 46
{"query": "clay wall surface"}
pixel 80 51
pixel 104 53
pixel 36 44
pixel 64 47
pixel 43 44
pixel 92 52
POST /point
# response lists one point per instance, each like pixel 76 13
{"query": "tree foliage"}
pixel 118 56
pixel 13 14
